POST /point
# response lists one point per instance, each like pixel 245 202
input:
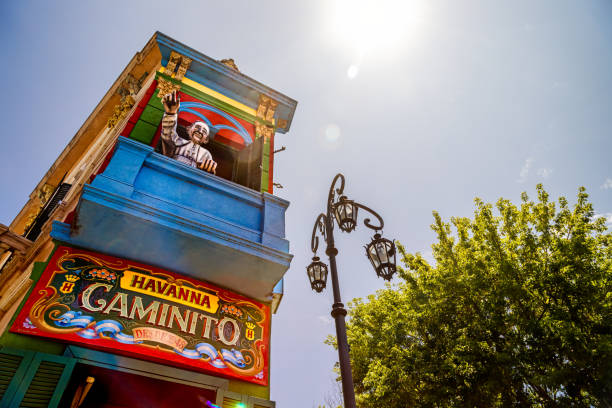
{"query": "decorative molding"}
pixel 182 69
pixel 234 84
pixel 10 240
pixel 128 90
pixel 121 111
pixel 266 108
pixel 45 193
pixel 281 123
pixel 271 110
pixel 15 290
pixel 31 217
pixel 173 61
pixel 229 62
pixel 178 63
pixel 210 99
pixel 264 130
pixel 37 202
pixel 30 254
pixel 265 113
pixel 165 87
pixel 11 266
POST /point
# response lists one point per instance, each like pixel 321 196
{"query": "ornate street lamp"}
pixel 317 274
pixel 380 252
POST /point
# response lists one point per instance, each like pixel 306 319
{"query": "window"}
pixel 242 166
pixel 58 195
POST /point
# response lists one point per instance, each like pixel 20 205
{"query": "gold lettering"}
pixel 165 291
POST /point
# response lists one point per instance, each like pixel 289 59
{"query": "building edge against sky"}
pixel 129 267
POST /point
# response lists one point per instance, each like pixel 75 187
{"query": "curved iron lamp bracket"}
pixel 366 221
pixel 319 225
pixel 331 198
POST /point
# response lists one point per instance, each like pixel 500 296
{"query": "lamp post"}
pixel 380 251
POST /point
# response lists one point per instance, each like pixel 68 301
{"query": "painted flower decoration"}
pixel 232 310
pixel 103 274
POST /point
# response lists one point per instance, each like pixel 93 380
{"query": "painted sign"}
pixel 137 310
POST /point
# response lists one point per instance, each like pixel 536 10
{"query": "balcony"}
pixel 152 209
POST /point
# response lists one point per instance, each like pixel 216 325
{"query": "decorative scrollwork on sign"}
pixel 48 310
pixel 253 359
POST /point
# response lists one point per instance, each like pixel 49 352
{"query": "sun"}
pixel 375 27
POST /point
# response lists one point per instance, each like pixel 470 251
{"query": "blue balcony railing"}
pixel 150 208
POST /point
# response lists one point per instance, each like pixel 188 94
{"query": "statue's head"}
pixel 198 132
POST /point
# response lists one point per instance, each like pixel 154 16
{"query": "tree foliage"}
pixel 516 311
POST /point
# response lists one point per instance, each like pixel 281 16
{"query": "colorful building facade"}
pixel 132 279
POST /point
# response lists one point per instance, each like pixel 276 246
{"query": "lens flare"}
pixel 372 27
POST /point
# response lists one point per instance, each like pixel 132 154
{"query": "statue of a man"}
pixel 190 151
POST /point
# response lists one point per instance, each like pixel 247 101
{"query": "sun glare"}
pixel 370 27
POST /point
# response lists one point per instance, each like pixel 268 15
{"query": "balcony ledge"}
pixel 152 209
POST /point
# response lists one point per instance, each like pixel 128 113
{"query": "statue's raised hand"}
pixel 171 103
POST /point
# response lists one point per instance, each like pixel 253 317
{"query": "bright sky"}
pixel 423 105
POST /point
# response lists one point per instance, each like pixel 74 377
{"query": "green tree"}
pixel 516 311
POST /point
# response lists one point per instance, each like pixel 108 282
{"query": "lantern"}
pixel 317 274
pixel 381 253
pixel 345 212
